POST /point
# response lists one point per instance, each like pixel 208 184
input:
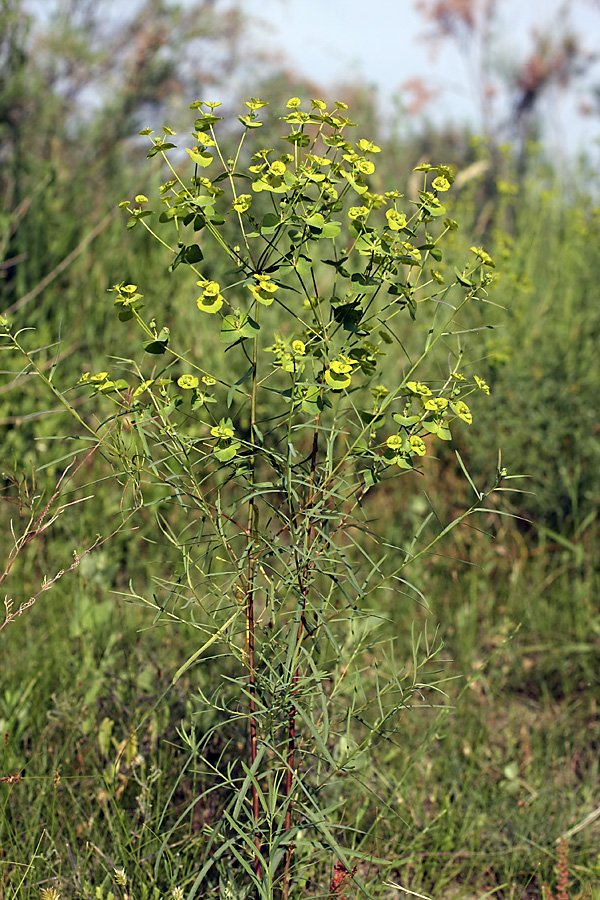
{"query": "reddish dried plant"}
pixel 557 57
pixel 420 95
pixel 11 779
pixel 552 61
pixel 562 875
pixel 457 19
pixel 339 880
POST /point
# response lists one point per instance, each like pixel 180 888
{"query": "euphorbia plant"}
pixel 268 459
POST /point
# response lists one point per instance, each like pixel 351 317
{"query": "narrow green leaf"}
pixel 478 494
pixel 462 278
pixel 158 148
pixel 215 637
pixel 231 391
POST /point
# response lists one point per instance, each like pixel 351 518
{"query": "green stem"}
pixel 291 736
pixel 250 619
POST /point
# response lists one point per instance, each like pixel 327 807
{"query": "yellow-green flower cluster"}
pixel 485 258
pixel 242 203
pixel 395 219
pixel 288 357
pixel 223 432
pixel 358 212
pixel 433 416
pixel 264 289
pixel 400 447
pixel 188 382
pixel 226 446
pixel 211 300
pixel 339 373
pixel 460 408
pixel 438 405
pixel 272 176
pixel 418 388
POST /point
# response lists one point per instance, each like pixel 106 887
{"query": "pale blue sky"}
pixel 381 42
pixel 333 41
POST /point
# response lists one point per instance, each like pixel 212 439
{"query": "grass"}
pixel 477 791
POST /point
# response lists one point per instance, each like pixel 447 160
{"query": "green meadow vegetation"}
pixel 280 620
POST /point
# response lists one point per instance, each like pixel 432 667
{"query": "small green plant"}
pixel 263 470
